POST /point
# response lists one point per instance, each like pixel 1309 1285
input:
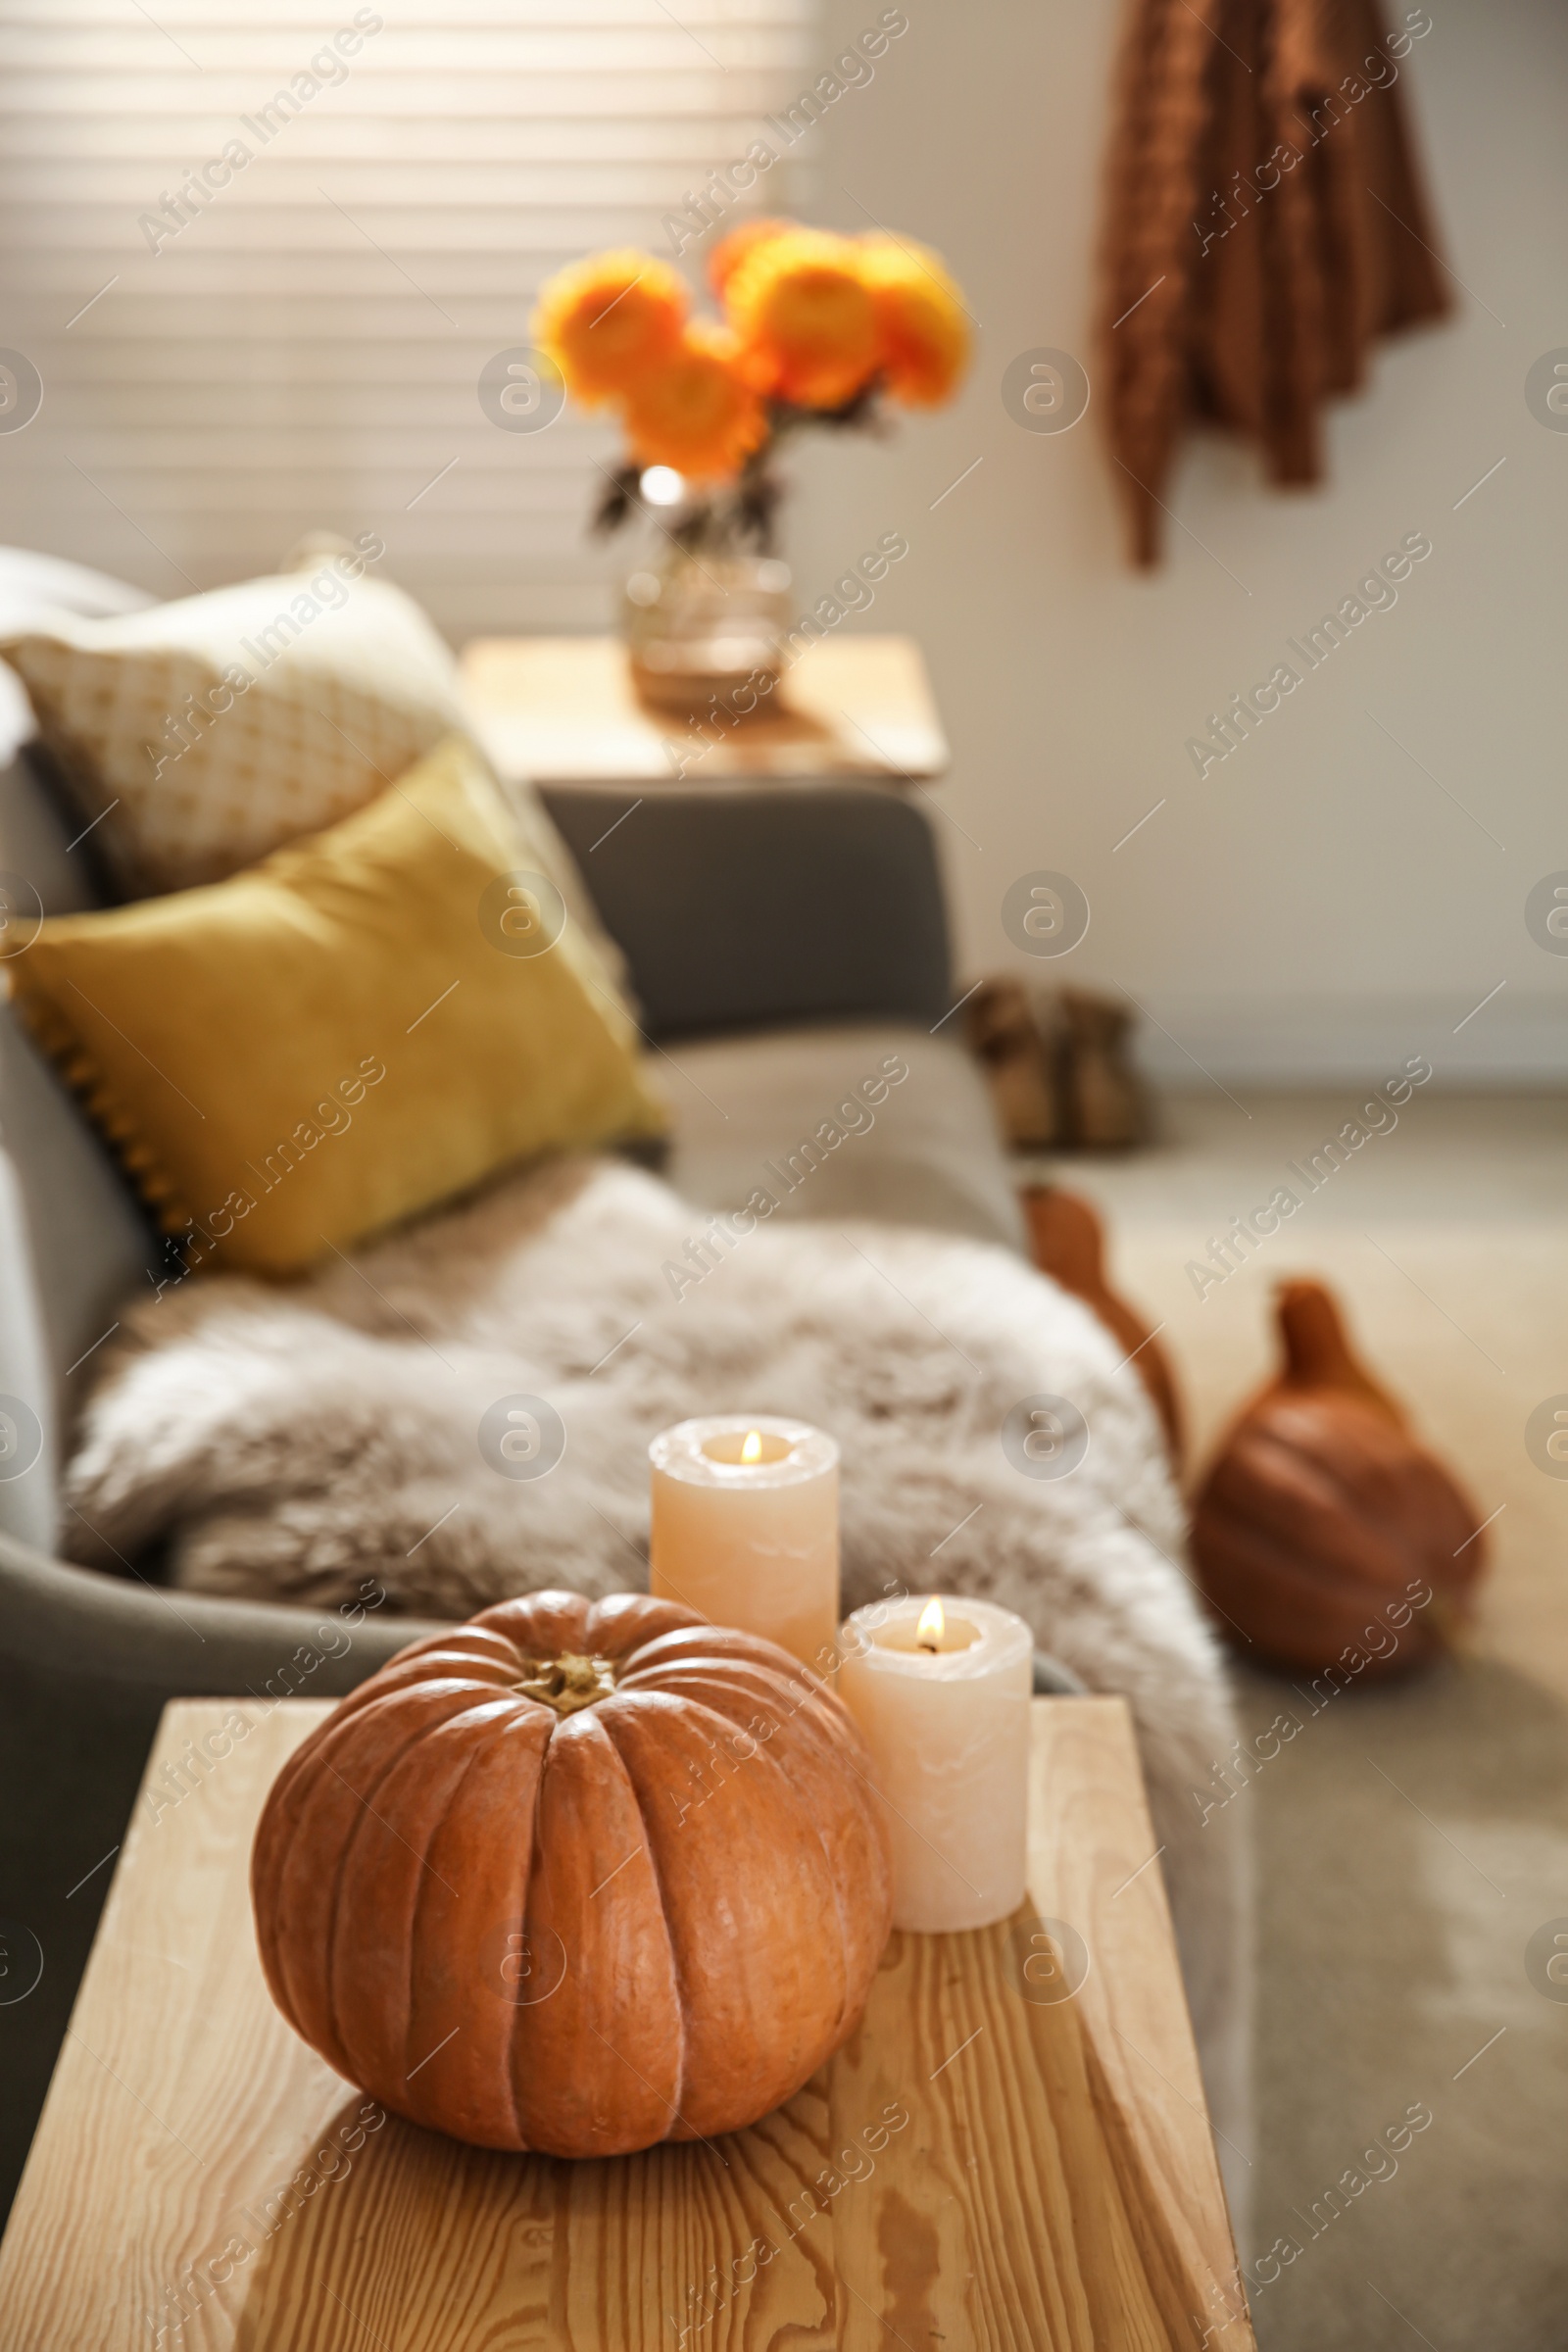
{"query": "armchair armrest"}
pixel 756 905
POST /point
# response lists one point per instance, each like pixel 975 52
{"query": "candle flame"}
pixel 751 1450
pixel 929 1632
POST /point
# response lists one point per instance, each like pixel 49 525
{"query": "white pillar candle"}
pixel 746 1527
pixel 940 1689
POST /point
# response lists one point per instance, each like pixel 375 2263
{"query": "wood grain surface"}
pixel 1011 2152
pixel 564 710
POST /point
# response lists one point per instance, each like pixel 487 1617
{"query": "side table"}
pixel 563 711
pixel 1011 2155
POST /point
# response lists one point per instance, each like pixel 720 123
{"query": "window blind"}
pixel 260 257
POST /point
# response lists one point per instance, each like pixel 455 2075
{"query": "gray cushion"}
pixel 41 847
pixel 749 906
pixel 73 1238
pixel 28 1435
pixel 73 1243
pixel 928 1153
pixel 89 1241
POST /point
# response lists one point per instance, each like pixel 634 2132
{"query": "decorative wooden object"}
pixel 577 1875
pixel 1321 1518
pixel 1105 1108
pixel 1069 1243
pixel 1009 1036
pixel 564 710
pixel 1059 1066
pixel 984 2164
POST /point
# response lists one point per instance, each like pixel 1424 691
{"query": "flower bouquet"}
pixel 816 329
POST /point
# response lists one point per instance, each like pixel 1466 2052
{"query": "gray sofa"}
pixel 780 941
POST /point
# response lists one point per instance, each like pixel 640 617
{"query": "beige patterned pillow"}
pixel 202 735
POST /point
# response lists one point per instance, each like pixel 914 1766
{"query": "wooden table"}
pixel 997 2161
pixel 564 710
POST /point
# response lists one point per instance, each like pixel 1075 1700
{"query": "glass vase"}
pixel 703 624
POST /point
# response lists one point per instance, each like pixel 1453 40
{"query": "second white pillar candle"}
pixel 948 1733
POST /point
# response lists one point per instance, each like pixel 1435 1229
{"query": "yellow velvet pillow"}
pixel 367 1022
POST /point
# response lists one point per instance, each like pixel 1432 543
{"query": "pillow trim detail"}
pixel 63 1045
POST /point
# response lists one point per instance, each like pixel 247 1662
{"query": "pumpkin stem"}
pixel 1317 1351
pixel 567 1683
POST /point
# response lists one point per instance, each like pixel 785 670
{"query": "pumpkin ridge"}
pixel 365 1812
pixel 1242 1559
pixel 815 1738
pixel 1355 1531
pixel 819 1713
pixel 1320 1569
pixel 1265 1463
pixel 457 1664
pixel 786 1797
pixel 713 1644
pixel 591 1727
pixel 514 2042
pixel 605 1712
pixel 282 1833
pixel 748 1681
pixel 1376 1490
pixel 609 1619
pixel 535 1624
pixel 1251 1548
pixel 387 1683
pixel 815 1716
pixel 518 1709
pixel 452 1946
pixel 824 1736
pixel 695 1683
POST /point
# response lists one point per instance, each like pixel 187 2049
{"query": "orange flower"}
pixel 729 253
pixel 803 314
pixel 922 327
pixel 695 411
pixel 606 320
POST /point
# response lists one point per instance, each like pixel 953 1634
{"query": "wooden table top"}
pixel 1004 2157
pixel 564 710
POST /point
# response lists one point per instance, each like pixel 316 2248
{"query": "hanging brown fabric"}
pixel 1265 221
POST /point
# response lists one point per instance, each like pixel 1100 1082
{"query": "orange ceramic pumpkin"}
pixel 1321 1516
pixel 578 1876
pixel 1069 1243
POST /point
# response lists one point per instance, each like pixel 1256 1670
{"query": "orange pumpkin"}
pixel 1321 1516
pixel 1068 1241
pixel 578 1877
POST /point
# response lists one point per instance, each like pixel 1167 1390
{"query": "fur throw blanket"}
pixel 286 1443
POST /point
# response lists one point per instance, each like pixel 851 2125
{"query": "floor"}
pixel 1410 1843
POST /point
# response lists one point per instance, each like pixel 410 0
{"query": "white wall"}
pixel 1318 904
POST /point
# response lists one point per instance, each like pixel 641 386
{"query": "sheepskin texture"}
pixel 288 1442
